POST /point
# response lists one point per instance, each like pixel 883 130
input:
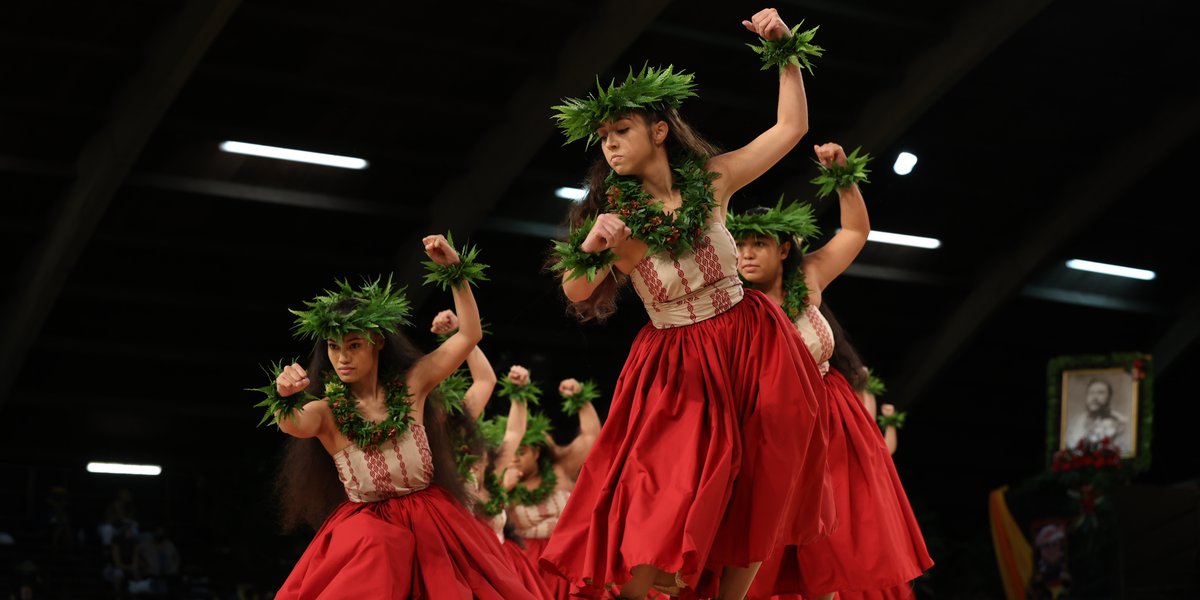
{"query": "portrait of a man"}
pixel 1099 404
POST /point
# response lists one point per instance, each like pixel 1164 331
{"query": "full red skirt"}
pixel 534 579
pixel 558 587
pixel 713 454
pixel 877 547
pixel 423 545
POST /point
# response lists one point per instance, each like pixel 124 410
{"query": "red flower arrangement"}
pixel 1087 456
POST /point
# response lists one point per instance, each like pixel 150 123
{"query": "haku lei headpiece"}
pixel 373 309
pixel 653 89
pixel 795 220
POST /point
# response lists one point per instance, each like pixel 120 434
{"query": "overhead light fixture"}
pixel 905 162
pixel 901 239
pixel 123 469
pixel 571 193
pixel 316 158
pixel 1107 269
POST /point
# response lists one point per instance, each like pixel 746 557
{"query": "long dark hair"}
pixel 307 485
pixel 845 357
pixel 681 141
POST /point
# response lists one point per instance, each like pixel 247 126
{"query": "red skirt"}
pixel 713 454
pixel 423 545
pixel 558 587
pixel 534 579
pixel 877 548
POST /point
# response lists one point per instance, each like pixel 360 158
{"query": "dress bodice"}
pixel 396 467
pixel 537 521
pixel 682 290
pixel 817 336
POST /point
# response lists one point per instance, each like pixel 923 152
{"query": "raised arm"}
pixel 890 436
pixel 744 165
pixel 483 381
pixel 483 378
pixel 572 456
pixel 518 420
pixel 823 265
pixel 439 364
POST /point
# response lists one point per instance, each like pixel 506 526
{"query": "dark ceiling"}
pixel 149 273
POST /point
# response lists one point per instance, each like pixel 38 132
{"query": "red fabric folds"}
pixel 712 454
pixel 877 548
pixel 423 545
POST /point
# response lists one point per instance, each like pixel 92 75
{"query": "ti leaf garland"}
pixel 794 49
pixel 465 272
pixel 586 394
pixel 276 406
pixel 577 263
pixel 836 176
pixel 524 394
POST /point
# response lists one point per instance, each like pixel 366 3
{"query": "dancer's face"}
pixel 760 260
pixel 630 143
pixel 526 460
pixel 354 358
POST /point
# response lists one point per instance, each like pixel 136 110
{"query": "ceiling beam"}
pixel 972 38
pixel 501 152
pixel 106 158
pixel 1082 200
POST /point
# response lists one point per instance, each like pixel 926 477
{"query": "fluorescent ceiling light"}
pixel 905 163
pixel 571 193
pixel 900 239
pixel 1106 269
pixel 121 469
pixel 316 158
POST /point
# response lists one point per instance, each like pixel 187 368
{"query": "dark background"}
pixel 148 273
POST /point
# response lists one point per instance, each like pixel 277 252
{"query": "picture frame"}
pixel 1101 396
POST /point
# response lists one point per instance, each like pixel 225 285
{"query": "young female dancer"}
pixel 877 546
pixel 401 528
pixel 712 455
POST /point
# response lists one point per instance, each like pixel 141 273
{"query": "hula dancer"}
pixel 877 547
pixel 712 455
pixel 545 474
pixel 369 464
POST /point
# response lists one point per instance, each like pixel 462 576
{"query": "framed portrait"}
pixel 1097 399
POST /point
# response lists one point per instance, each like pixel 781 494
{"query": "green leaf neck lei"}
pixel 366 433
pixel 795 294
pixel 497 497
pixel 524 496
pixel 677 233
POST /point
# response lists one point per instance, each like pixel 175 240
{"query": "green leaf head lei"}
pixel 795 220
pixel 536 430
pixel 792 223
pixel 653 89
pixel 373 309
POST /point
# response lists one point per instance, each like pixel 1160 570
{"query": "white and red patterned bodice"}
pixel 682 290
pixel 817 336
pixel 396 467
pixel 497 523
pixel 537 521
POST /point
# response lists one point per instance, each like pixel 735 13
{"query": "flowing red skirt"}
pixel 559 588
pixel 535 580
pixel 423 545
pixel 877 547
pixel 713 454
